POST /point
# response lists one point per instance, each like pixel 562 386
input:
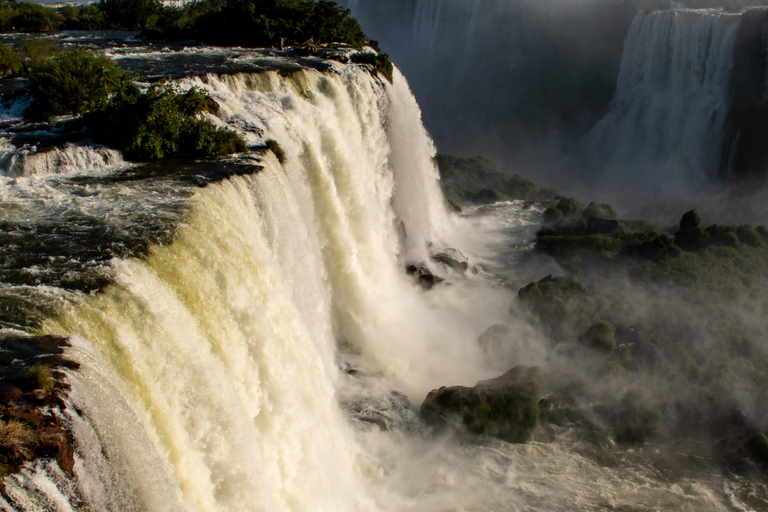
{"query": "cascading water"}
pixel 663 131
pixel 239 364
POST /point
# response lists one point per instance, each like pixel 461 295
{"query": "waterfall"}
pixel 663 131
pixel 210 369
pixel 68 159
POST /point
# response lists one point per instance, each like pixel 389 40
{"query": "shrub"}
pixel 691 238
pixel 33 50
pixel 267 22
pixel 602 336
pixel 41 376
pixel 690 219
pixel 723 235
pixel 10 63
pixel 17 440
pixel 28 17
pixel 72 82
pixel 747 235
pixel 161 123
pixel 598 210
pixel 275 148
pixel 379 61
pixel 128 14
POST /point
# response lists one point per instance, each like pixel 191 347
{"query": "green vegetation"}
pixel 275 148
pixel 379 61
pixel 71 82
pixel 252 23
pixel 41 376
pixel 479 180
pixel 601 336
pixel 161 123
pixel 509 414
pixel 10 63
pixel 682 307
pixel 27 17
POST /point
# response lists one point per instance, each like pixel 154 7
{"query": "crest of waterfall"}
pixel 662 133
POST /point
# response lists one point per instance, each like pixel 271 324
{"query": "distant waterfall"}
pixel 663 131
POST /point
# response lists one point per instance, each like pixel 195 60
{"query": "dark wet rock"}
pixel 757 448
pixel 505 407
pixel 31 388
pixel 423 275
pixel 387 412
pixel 452 259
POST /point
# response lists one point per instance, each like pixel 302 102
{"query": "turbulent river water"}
pixel 249 339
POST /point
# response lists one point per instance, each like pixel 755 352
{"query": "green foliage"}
pixel 275 148
pixel 34 50
pixel 561 303
pixel 690 220
pixel 72 82
pixel 41 376
pixel 479 180
pixel 27 17
pixel 692 238
pixel 379 61
pixel 601 336
pixel 128 14
pixel 10 63
pixel 161 123
pixel 256 23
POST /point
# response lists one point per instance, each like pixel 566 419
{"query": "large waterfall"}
pixel 210 370
pixel 663 132
pixel 264 349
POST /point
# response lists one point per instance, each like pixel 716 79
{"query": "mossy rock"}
pixel 506 407
pixel 637 418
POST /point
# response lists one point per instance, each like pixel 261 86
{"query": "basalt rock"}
pixel 506 407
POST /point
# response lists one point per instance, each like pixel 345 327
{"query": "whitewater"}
pixel 270 353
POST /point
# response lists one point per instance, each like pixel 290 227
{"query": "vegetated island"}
pixel 656 332
pixel 160 121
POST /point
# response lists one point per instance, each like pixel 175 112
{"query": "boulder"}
pixel 506 407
